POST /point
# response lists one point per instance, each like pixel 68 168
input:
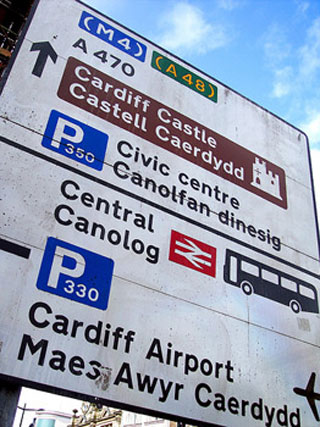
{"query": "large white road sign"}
pixel 158 242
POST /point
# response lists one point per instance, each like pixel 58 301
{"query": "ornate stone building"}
pixel 94 416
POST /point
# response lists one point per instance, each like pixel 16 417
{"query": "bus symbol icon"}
pixel 254 277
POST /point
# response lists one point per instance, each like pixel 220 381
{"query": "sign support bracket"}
pixel 9 396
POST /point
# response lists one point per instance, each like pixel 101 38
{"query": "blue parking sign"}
pixel 75 139
pixel 75 273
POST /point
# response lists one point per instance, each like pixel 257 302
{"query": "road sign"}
pixel 153 242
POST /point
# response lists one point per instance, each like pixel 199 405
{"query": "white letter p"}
pixel 60 132
pixel 57 267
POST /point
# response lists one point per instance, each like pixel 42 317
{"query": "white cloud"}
pixel 294 69
pixel 303 6
pixel 282 85
pixel 310 51
pixel 276 47
pixel 277 52
pixel 312 128
pixel 229 4
pixel 280 89
pixel 186 29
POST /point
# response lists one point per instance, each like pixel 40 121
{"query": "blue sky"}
pixel 267 50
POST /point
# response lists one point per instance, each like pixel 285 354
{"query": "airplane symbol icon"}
pixel 310 394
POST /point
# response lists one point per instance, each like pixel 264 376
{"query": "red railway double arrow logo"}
pixel 192 253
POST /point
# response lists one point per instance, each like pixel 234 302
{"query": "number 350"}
pixel 80 153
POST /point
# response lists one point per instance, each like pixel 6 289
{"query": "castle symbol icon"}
pixel 266 181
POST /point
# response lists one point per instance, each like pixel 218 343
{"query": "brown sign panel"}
pixel 111 100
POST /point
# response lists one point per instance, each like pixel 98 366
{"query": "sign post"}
pixel 153 242
pixel 9 396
